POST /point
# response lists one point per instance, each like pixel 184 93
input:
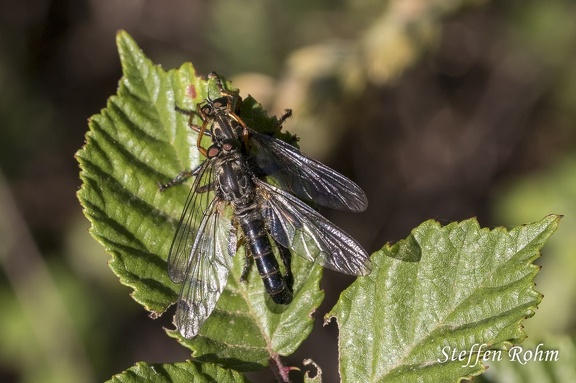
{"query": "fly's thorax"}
pixel 234 179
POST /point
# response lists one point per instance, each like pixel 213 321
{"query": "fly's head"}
pixel 211 109
pixel 225 138
pixel 227 147
pixel 216 107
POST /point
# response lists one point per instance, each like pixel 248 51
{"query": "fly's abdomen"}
pixel 257 239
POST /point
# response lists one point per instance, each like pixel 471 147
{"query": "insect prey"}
pixel 253 189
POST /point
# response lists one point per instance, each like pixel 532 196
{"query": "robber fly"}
pixel 230 198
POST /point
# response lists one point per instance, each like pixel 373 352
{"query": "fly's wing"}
pixel 297 226
pixel 195 208
pixel 303 176
pixel 200 253
pixel 207 272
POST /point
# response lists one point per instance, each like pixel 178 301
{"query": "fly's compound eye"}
pixel 229 145
pixel 212 151
pixel 207 110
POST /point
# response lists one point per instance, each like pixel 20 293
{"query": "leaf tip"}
pixel 122 37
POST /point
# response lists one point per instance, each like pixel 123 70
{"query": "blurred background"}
pixel 438 109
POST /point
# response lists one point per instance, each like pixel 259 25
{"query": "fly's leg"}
pixel 200 129
pixel 187 112
pixel 233 247
pixel 191 114
pixel 179 179
pixel 182 177
pixel 248 260
pixel 286 257
pixel 231 95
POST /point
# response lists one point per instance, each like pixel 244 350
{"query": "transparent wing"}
pixel 300 228
pixel 203 245
pixel 303 176
pixel 207 271
pixel 195 208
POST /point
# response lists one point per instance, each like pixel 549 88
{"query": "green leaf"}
pixel 138 141
pixel 532 195
pixel 246 329
pixel 551 360
pixel 135 142
pixel 311 377
pixel 177 372
pixel 442 289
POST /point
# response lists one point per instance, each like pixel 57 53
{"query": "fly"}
pixel 230 195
